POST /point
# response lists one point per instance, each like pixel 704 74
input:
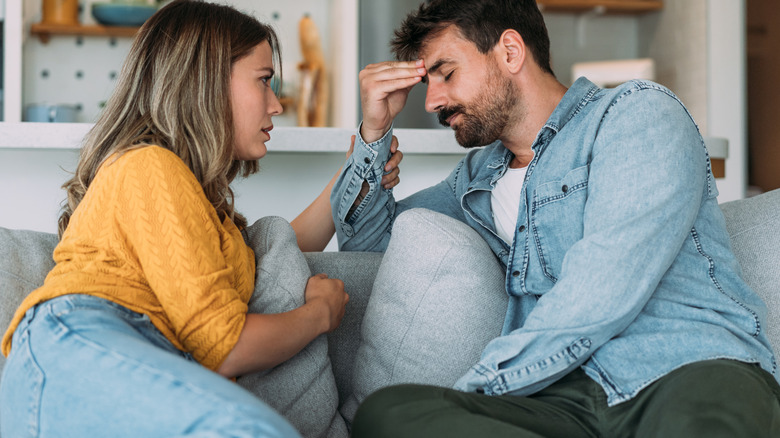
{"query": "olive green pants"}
pixel 719 398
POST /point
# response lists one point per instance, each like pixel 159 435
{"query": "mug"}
pixel 51 113
pixel 61 12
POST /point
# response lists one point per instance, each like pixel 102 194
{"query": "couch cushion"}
pixel 25 259
pixel 303 388
pixel 438 299
pixel 357 270
pixel 754 228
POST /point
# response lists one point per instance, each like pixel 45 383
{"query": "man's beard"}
pixel 488 115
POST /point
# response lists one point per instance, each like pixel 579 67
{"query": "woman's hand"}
pixel 269 339
pixel 390 179
pixel 328 295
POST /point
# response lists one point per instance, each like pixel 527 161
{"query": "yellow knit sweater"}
pixel 146 237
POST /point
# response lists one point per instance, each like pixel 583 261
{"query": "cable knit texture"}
pixel 145 236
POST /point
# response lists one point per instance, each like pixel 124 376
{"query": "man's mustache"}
pixel 446 113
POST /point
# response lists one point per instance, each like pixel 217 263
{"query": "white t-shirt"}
pixel 505 201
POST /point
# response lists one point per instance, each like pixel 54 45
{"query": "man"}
pixel 627 314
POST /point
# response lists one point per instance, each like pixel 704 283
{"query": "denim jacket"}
pixel 621 263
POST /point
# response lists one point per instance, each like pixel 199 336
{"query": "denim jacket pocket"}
pixel 556 218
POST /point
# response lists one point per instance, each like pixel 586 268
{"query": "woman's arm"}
pixel 314 226
pixel 267 340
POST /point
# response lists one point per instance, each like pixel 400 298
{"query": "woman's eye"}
pixel 266 80
pixel 449 75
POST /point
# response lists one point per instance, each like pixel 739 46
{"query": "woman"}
pixel 145 313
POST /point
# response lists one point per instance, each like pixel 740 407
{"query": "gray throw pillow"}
pixel 437 300
pixel 303 388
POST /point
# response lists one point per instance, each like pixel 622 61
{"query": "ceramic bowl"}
pixel 122 14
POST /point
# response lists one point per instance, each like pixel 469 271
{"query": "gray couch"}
pixel 405 327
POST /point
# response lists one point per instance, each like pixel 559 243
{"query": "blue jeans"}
pixel 84 366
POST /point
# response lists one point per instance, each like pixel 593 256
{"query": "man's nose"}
pixel 434 98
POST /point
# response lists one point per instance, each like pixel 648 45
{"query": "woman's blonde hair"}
pixel 174 92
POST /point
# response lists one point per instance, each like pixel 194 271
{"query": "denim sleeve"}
pixel 647 178
pixel 368 227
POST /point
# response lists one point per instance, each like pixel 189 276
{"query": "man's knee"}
pixel 374 416
pixel 719 398
pixel 385 412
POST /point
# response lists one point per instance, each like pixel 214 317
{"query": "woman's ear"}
pixel 512 50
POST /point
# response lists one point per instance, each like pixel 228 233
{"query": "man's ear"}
pixel 512 50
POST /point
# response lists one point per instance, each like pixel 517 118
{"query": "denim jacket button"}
pixel 521 229
pixel 367 160
pixel 516 274
pixel 565 188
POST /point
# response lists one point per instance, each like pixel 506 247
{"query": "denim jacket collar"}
pixel 576 98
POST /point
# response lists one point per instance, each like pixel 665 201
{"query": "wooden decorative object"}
pixel 313 93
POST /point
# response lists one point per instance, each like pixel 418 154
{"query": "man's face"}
pixel 467 89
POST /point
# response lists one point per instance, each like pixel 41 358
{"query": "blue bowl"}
pixel 121 14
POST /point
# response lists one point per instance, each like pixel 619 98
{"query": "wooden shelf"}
pixel 610 6
pixel 45 31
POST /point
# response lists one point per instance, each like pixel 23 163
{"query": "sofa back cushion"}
pixel 358 271
pixel 25 259
pixel 754 229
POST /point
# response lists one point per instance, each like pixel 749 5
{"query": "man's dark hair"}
pixel 479 21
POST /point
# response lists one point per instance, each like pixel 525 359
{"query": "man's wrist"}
pixel 371 135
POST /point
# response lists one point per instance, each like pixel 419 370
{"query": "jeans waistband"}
pixel 67 303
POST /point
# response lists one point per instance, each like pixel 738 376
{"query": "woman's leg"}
pixel 84 366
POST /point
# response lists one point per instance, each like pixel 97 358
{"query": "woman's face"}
pixel 253 102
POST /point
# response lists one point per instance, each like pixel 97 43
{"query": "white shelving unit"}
pixel 12 64
pixel 341 40
pixel 68 136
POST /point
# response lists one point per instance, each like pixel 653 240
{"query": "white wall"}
pixel 590 37
pixel 30 181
